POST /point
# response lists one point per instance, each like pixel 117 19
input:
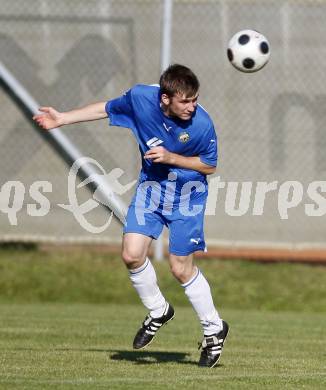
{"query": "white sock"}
pixel 199 293
pixel 145 282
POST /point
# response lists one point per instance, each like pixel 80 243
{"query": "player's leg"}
pixel 198 292
pixel 136 242
pixel 141 272
pixel 186 237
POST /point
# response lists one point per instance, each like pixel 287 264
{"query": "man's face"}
pixel 179 105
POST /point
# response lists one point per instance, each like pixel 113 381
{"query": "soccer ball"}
pixel 248 51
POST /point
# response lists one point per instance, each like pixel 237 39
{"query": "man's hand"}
pixel 159 155
pixel 50 118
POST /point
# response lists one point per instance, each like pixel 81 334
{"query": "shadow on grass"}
pixel 138 357
pixel 150 357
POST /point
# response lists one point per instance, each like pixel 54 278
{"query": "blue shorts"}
pixel 185 222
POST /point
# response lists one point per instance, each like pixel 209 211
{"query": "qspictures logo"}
pixel 108 187
pixel 238 198
pixel 12 195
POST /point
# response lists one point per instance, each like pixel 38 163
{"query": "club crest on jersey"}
pixel 184 137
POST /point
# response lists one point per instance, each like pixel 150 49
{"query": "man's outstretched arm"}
pixel 51 118
pixel 161 155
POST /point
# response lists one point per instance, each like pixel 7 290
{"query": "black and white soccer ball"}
pixel 248 51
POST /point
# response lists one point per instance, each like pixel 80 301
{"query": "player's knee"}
pixel 132 259
pixel 179 271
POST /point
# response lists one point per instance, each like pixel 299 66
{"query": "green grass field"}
pixel 53 334
pixel 89 346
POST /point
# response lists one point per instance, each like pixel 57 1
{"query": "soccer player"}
pixel 178 146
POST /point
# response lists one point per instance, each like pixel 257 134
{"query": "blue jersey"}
pixel 139 109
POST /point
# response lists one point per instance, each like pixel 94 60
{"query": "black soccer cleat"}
pixel 212 347
pixel 150 326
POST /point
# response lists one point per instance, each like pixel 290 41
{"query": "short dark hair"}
pixel 178 79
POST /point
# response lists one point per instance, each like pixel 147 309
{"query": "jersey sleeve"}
pixel 120 111
pixel 208 155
